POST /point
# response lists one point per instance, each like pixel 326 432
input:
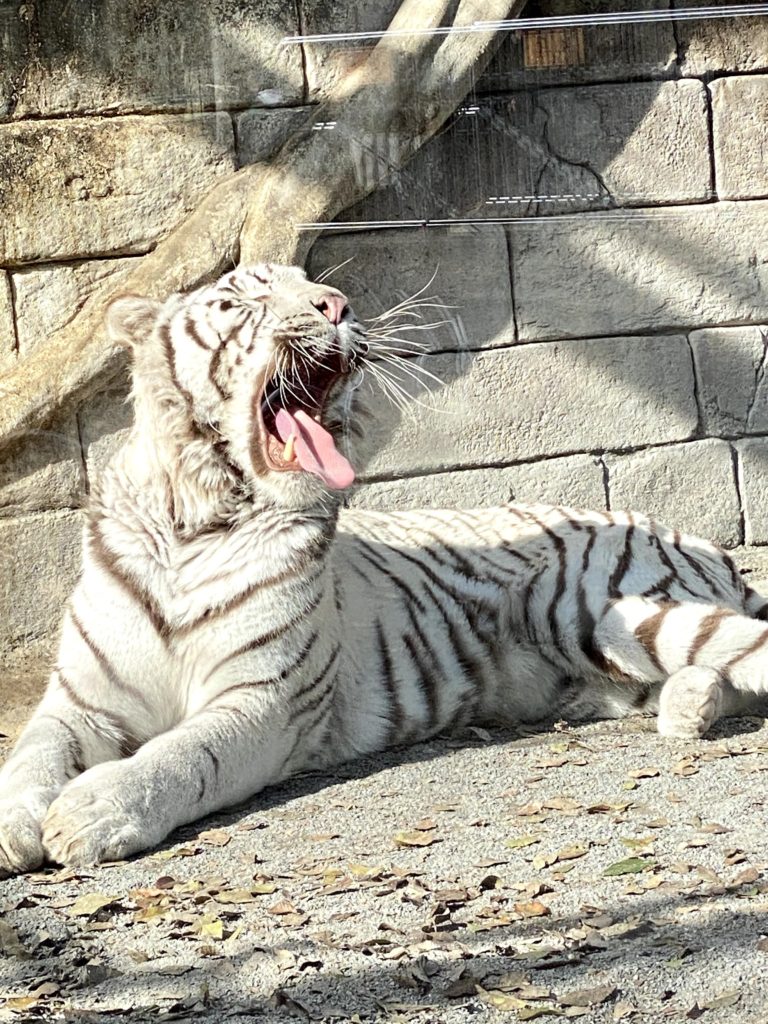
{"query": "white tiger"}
pixel 232 626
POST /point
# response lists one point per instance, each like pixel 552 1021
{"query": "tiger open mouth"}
pixel 292 432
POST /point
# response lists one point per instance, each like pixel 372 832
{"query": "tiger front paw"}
pixel 92 821
pixel 21 845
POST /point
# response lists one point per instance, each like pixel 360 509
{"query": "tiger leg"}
pixel 709 658
pixel 211 760
pixel 93 710
pixel 691 701
pixel 65 736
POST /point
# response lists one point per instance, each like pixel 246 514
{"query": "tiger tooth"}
pixel 288 452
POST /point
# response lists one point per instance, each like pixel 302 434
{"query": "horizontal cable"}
pixel 542 24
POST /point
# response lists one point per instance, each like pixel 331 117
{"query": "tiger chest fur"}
pixel 234 624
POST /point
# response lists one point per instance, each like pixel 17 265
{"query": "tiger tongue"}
pixel 315 448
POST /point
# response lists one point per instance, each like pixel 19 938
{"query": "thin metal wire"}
pixel 539 24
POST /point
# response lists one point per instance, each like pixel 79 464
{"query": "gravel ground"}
pixel 458 880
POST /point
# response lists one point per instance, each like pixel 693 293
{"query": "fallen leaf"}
pixel 414 838
pixel 263 888
pixel 519 842
pixel 728 998
pixel 283 907
pixel 533 908
pixel 211 926
pixel 544 860
pixel 644 773
pixel 630 866
pixel 215 837
pixel 562 803
pixel 588 996
pixel 90 903
pixel 637 842
pixel 623 1010
pixel 572 852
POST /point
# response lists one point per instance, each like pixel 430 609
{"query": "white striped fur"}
pixel 233 626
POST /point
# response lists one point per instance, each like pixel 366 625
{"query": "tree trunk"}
pixel 384 110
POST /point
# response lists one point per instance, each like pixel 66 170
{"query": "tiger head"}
pixel 250 370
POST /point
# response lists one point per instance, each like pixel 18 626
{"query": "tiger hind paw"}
pixel 691 701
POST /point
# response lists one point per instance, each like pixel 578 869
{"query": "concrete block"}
pixel 104 425
pixel 688 486
pixel 731 380
pixel 43 471
pixel 722 44
pixel 127 55
pixel 465 267
pixel 629 271
pixel 15 22
pixel 556 151
pixel 328 62
pixel 40 556
pixel 576 480
pixel 106 186
pixel 7 332
pixel 560 56
pixel 261 133
pixel 531 401
pixel 753 484
pixel 48 297
pixel 740 123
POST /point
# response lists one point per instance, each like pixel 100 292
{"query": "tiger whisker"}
pixel 332 270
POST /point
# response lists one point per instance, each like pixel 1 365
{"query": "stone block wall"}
pixel 594 220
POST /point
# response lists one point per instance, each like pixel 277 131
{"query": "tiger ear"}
pixel 130 319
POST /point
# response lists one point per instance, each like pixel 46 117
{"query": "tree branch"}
pixel 384 110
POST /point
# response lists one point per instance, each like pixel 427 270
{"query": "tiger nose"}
pixel 333 306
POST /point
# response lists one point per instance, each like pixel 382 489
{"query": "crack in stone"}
pixel 575 164
pixel 759 378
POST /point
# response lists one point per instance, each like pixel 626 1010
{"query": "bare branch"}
pixel 384 110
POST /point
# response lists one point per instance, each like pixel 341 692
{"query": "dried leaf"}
pixel 562 803
pixel 283 907
pixel 544 860
pixel 728 998
pixel 533 908
pixel 630 866
pixel 234 896
pixel 414 838
pixel 637 842
pixel 588 996
pixel 20 1002
pixel 263 888
pixel 151 913
pixel 215 837
pixel 90 903
pixel 623 1010
pixel 212 927
pixel 520 842
pixel 644 773
pixel 572 852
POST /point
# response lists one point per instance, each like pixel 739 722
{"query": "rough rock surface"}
pixel 512 404
pixel 107 186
